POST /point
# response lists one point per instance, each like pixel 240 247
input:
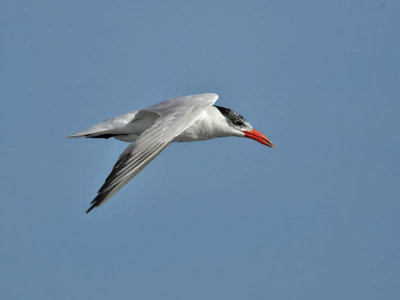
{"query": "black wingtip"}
pixel 91 207
pixel 96 202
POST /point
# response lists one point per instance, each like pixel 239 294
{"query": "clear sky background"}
pixel 315 218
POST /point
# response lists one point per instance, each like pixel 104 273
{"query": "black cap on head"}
pixel 233 118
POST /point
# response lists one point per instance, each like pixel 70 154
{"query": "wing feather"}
pixel 176 115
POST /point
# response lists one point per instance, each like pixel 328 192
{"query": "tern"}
pixel 151 130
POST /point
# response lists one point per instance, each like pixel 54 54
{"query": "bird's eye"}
pixel 239 123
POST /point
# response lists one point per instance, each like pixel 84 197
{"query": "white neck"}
pixel 210 124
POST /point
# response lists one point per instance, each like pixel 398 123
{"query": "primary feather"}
pixel 152 129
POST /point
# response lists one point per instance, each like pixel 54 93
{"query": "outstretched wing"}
pixel 176 115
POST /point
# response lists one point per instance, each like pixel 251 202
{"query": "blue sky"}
pixel 314 218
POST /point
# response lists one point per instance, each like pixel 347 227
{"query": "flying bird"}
pixel 151 130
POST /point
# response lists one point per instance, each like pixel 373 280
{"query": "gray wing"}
pixel 176 115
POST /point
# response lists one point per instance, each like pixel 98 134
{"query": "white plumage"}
pixel 183 119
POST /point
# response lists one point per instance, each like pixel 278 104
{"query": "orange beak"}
pixel 259 137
